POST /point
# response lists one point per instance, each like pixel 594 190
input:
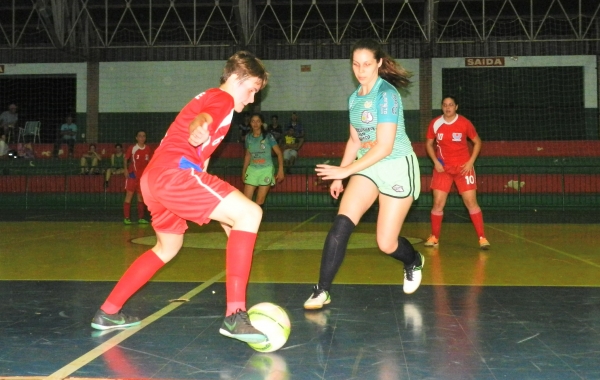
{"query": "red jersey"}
pixel 175 151
pixel 138 159
pixel 451 137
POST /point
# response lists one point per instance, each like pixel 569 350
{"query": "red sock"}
pixel 477 219
pixel 138 274
pixel 436 223
pixel 127 210
pixel 240 247
pixel 141 207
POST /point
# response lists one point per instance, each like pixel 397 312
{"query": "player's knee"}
pixel 387 246
pixel 251 211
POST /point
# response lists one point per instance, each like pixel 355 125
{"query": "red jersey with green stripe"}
pixel 175 151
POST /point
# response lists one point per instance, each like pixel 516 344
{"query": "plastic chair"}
pixel 31 128
pixel 10 134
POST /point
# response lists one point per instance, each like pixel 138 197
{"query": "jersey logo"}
pixel 368 104
pixel 366 117
pixel 440 136
pixel 456 136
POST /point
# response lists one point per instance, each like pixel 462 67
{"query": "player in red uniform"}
pixel 453 164
pixel 176 188
pixel 136 160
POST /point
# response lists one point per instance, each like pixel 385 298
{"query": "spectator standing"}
pixel 453 164
pixel 8 121
pixel 258 171
pixel 68 135
pixel 137 158
pixel 275 128
pixel 244 127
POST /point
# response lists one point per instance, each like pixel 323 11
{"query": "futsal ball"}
pixel 272 321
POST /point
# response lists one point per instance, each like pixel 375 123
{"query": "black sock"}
pixel 405 251
pixel 334 250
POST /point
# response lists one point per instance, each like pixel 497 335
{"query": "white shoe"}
pixel 413 275
pixel 318 298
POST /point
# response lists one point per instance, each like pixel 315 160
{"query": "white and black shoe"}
pixel 318 298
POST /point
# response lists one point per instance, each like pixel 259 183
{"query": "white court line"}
pixel 126 333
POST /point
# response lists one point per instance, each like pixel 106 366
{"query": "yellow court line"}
pixel 126 333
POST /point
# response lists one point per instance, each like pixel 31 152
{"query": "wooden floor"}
pixel 529 308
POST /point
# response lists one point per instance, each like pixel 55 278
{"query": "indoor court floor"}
pixel 529 308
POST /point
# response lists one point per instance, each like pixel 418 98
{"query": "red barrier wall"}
pixel 298 183
pixel 583 148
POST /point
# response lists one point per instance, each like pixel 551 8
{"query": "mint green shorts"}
pixel 398 178
pixel 260 176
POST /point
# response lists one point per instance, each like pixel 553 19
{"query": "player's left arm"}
pixel 280 176
pixel 476 149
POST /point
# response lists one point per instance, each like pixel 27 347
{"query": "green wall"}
pixel 320 126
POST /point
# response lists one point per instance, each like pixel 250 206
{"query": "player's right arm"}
pixel 126 162
pixel 199 129
pixel 431 153
pixel 246 164
pixel 352 147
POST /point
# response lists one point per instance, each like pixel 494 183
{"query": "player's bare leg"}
pixel 261 195
pixel 392 212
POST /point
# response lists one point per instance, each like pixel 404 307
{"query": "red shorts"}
pixel 451 174
pixel 132 185
pixel 176 195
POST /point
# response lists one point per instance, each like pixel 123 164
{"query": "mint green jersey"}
pixel 260 149
pixel 382 105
